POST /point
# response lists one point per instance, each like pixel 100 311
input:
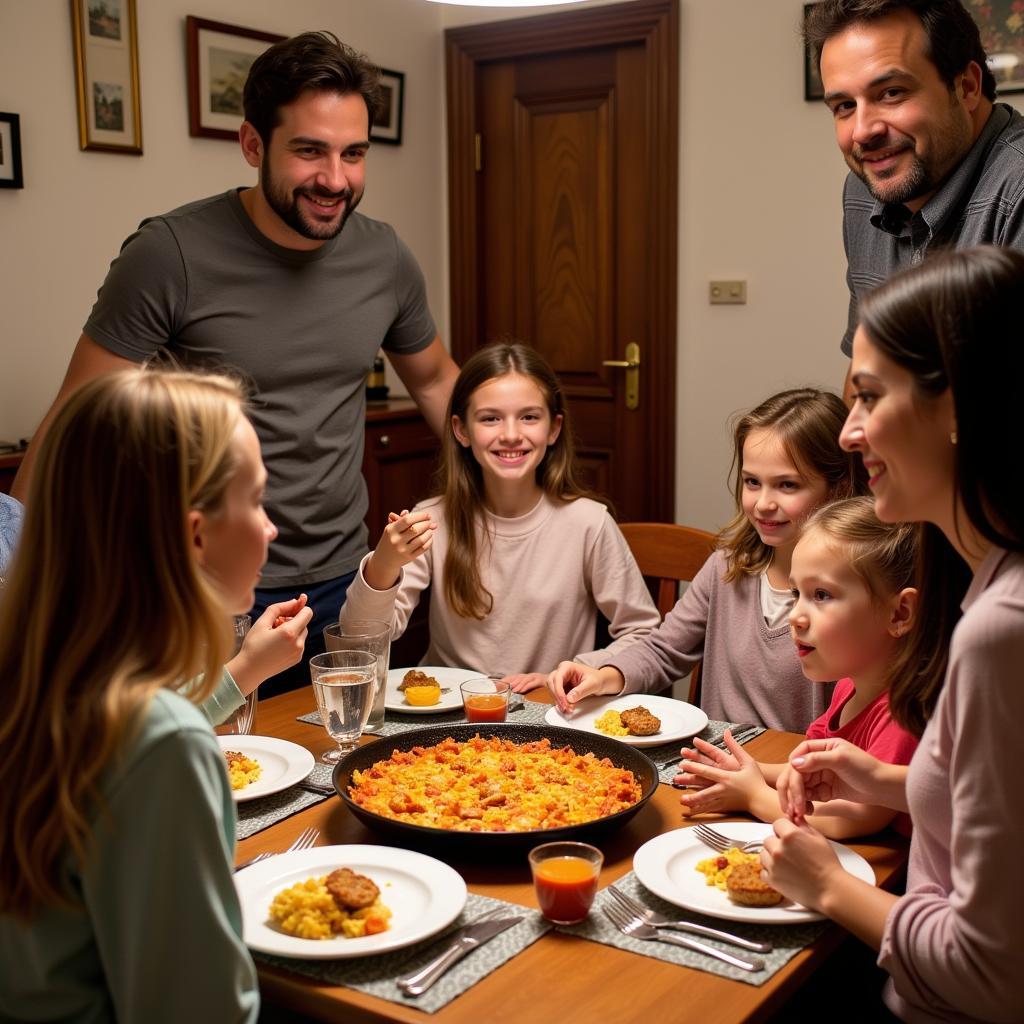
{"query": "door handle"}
pixel 631 364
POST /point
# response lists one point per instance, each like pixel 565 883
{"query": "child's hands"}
pixel 729 782
pixel 407 536
pixel 525 681
pixel 703 752
pixel 572 681
pixel 275 642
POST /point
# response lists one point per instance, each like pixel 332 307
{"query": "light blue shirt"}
pixel 157 933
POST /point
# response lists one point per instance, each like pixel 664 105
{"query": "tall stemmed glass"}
pixel 344 683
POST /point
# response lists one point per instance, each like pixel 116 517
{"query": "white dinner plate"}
pixel 423 895
pixel 282 763
pixel 679 720
pixel 449 678
pixel 667 865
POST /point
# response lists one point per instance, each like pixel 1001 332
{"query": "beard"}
pixel 950 138
pixel 286 205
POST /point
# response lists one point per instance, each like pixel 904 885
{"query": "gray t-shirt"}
pixel 302 327
pixel 981 202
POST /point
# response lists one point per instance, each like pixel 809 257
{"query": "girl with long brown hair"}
pixel 734 615
pixel 143 533
pixel 519 556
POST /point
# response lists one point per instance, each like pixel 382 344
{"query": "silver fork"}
pixel 306 839
pixel 657 920
pixel 637 929
pixel 720 842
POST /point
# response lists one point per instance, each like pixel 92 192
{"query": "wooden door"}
pixel 562 165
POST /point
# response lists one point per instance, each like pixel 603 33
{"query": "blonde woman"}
pixel 144 532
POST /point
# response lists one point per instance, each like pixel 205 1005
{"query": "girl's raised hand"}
pixel 275 641
pixel 829 769
pixel 407 536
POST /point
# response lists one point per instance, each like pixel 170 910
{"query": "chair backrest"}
pixel 668 554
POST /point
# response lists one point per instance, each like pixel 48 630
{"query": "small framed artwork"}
pixel 814 91
pixel 219 58
pixel 1001 23
pixel 10 151
pixel 387 125
pixel 107 73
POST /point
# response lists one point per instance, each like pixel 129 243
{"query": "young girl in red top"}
pixel 852 619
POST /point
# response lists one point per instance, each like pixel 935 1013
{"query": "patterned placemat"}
pixel 529 711
pixel 255 815
pixel 787 940
pixel 375 975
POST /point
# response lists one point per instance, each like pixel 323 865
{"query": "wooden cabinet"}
pixel 399 462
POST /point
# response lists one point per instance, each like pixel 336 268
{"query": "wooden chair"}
pixel 669 554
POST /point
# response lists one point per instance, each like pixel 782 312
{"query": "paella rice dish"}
pixel 494 785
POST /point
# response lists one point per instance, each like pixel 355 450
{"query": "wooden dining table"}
pixel 560 978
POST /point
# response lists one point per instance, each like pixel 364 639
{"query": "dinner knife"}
pixel 471 937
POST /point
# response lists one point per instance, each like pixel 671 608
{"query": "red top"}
pixel 872 730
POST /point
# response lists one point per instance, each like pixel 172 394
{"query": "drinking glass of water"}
pixel 344 684
pixel 374 636
pixel 242 721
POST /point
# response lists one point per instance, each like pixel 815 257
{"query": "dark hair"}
pixel 461 478
pixel 953 37
pixel 312 60
pixel 954 322
pixel 807 422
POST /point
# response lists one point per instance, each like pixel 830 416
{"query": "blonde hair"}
pixel 461 478
pixel 886 558
pixel 105 605
pixel 807 423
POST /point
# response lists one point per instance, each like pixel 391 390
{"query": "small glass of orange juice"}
pixel 485 699
pixel 565 879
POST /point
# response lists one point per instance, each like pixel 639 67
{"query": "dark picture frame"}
pixel 218 57
pixel 814 91
pixel 107 75
pixel 387 125
pixel 10 151
pixel 1002 35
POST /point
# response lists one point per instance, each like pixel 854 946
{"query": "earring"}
pixel 952 437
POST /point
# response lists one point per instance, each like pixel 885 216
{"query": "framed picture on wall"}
pixel 814 91
pixel 1001 23
pixel 10 151
pixel 219 58
pixel 107 75
pixel 387 125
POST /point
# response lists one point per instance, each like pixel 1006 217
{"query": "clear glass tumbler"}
pixel 243 721
pixel 374 636
pixel 343 682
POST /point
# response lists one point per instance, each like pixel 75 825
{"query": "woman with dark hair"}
pixel 937 366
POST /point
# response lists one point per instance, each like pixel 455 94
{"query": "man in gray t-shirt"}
pixel 285 284
pixel 934 162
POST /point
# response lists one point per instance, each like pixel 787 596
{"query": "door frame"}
pixel 655 25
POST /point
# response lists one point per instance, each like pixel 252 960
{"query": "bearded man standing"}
pixel 935 162
pixel 287 286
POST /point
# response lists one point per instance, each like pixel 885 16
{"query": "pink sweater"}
pixel 750 674
pixel 954 944
pixel 549 572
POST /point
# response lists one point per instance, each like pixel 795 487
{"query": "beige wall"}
pixel 759 196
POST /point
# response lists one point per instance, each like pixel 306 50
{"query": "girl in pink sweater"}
pixel 937 366
pixel 519 557
pixel 735 613
pixel 855 611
